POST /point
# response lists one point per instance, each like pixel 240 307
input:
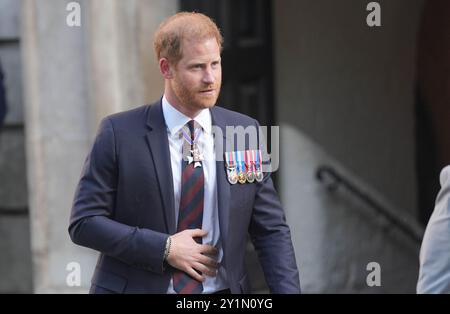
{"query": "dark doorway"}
pixel 247 60
pixel 427 167
pixel 433 98
pixel 247 67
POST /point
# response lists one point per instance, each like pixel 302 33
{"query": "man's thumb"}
pixel 198 233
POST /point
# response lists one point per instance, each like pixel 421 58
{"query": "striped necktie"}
pixel 191 209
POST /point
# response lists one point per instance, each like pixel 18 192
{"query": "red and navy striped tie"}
pixel 190 214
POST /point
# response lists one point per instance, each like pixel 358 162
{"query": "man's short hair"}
pixel 183 26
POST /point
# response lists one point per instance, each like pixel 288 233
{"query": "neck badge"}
pixel 196 156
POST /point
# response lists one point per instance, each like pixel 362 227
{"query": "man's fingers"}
pixel 191 272
pixel 207 261
pixel 198 233
pixel 205 270
pixel 209 250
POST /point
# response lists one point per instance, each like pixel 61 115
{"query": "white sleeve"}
pixel 434 273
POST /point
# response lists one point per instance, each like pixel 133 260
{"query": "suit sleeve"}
pixel 271 237
pixel 434 273
pixel 91 222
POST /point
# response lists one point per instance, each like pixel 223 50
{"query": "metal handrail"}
pixel 4 211
pixel 11 126
pixel 333 179
pixel 9 40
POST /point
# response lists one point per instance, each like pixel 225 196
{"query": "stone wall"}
pixel 15 257
pixel 74 76
pixel 345 97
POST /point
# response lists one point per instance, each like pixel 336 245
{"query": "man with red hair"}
pixel 158 201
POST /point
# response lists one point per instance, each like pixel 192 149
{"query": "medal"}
pixel 242 178
pixel 231 168
pixel 258 173
pixel 233 177
pixel 249 165
pixel 196 156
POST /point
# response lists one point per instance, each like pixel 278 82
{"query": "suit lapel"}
pixel 159 148
pixel 223 187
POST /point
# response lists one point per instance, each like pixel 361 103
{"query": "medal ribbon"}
pixel 188 138
pixel 247 160
pixel 229 159
pixel 238 165
pixel 242 156
pixel 257 160
pixel 260 158
pixel 253 161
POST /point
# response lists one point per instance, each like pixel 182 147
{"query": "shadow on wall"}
pixel 337 235
pixel 2 97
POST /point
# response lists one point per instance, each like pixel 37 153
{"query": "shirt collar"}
pixel 175 120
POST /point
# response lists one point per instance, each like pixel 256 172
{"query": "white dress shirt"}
pixel 175 120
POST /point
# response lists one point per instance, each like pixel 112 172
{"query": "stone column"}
pixel 15 257
pixel 56 114
pixel 73 77
pixel 123 67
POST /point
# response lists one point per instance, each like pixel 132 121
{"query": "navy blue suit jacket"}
pixel 124 208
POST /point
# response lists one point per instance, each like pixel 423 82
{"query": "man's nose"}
pixel 208 77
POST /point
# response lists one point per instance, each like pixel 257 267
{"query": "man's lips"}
pixel 208 91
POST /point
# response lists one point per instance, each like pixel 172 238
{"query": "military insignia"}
pixel 249 163
pixel 250 177
pixel 240 160
pixel 244 166
pixel 242 177
pixel 258 166
pixel 231 167
pixel 233 177
pixel 259 175
pixel 196 156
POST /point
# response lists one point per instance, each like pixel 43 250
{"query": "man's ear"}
pixel 166 68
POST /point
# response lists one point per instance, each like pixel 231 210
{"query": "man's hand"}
pixel 189 256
